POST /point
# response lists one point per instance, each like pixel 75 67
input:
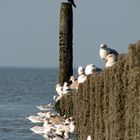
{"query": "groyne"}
pixel 107 105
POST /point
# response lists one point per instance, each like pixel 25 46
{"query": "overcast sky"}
pixel 29 30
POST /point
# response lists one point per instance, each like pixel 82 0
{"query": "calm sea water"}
pixel 21 89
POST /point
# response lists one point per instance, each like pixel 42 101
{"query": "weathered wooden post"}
pixel 65 43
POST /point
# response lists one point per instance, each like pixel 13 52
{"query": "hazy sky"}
pixel 29 30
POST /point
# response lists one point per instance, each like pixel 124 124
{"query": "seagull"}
pixel 57 119
pixel 104 51
pixel 39 129
pixel 50 114
pixel 42 114
pixel 69 128
pixel 72 126
pixel 82 78
pixel 73 82
pixel 72 2
pixel 57 135
pixel 110 60
pixel 59 131
pixel 59 89
pixel 48 125
pixel 35 119
pixel 45 107
pixel 90 68
pixel 66 88
pixel 81 75
pixel 81 70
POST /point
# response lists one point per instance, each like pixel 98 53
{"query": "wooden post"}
pixel 65 43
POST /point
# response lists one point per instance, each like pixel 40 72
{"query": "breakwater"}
pixel 107 105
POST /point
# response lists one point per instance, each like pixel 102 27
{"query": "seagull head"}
pixel 81 70
pixel 103 46
pixel 65 84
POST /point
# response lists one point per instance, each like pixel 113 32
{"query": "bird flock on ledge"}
pixel 53 126
pixel 108 56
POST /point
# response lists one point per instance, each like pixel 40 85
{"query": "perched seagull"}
pixel 59 89
pixel 81 70
pixel 50 114
pixel 81 75
pixel 45 107
pixel 74 82
pixel 72 2
pixel 39 129
pixel 35 119
pixel 57 135
pixel 110 60
pixel 82 78
pixel 57 119
pixel 104 51
pixel 66 88
pixel 70 128
pixel 90 68
pixel 42 114
pixel 48 125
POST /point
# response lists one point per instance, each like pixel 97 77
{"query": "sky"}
pixel 29 30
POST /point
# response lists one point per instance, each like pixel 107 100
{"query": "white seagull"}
pixel 57 135
pixel 90 68
pixel 35 119
pixel 82 78
pixel 67 128
pixel 47 107
pixel 59 89
pixel 81 70
pixel 74 82
pixel 104 51
pixel 81 75
pixel 39 129
pixel 66 88
pixel 110 60
pixel 42 114
pixel 48 125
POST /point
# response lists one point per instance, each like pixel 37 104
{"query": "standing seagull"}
pixel 81 75
pixel 72 2
pixel 59 89
pixel 110 60
pixel 104 51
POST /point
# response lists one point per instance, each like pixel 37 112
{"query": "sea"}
pixel 21 90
